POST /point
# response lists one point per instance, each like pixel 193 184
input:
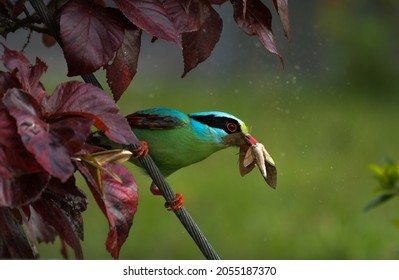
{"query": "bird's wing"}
pixel 157 118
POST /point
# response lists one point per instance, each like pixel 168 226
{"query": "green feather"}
pixel 172 149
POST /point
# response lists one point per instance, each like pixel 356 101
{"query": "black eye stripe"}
pixel 218 122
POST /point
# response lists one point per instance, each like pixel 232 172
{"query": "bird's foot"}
pixel 141 151
pixel 175 204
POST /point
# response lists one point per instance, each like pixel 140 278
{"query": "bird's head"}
pixel 226 128
pixel 229 130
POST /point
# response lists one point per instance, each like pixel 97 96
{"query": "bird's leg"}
pixel 141 151
pixel 176 203
pixel 173 204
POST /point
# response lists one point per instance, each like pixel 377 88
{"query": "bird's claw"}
pixel 175 204
pixel 141 151
pixel 171 205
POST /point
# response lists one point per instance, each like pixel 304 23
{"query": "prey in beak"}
pixel 253 153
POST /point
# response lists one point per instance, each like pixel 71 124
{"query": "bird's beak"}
pixel 253 153
pixel 251 139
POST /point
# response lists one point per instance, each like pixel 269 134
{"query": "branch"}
pixel 183 215
pixel 9 25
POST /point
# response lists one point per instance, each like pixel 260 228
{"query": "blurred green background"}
pixel 324 118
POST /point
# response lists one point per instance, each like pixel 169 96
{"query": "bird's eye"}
pixel 231 127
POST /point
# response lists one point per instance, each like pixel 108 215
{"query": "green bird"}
pixel 176 140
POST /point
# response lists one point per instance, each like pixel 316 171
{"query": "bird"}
pixel 176 140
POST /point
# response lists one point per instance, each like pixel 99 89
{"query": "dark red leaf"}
pixel 217 2
pixel 22 179
pixel 100 2
pixel 198 45
pixel 16 60
pixel 64 250
pixel 28 75
pixel 257 21
pixel 117 201
pixel 184 14
pixel 17 190
pixel 80 99
pixel 121 202
pixel 61 206
pixel 122 70
pixel 151 16
pixel 73 131
pixel 13 241
pixel 90 35
pixel 282 9
pixel 15 7
pixel 36 88
pixel 7 81
pixel 37 136
pixel 39 229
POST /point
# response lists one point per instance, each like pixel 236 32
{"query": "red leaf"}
pixel 14 7
pixel 90 35
pixel 16 60
pixel 37 135
pixel 198 45
pixel 13 241
pixel 122 70
pixel 17 190
pixel 73 131
pixel 22 179
pixel 39 229
pixel 100 2
pixel 28 75
pixel 61 206
pixel 282 9
pixel 257 20
pixel 7 81
pixel 184 14
pixel 80 99
pixel 151 16
pixel 217 2
pixel 121 203
pixel 118 203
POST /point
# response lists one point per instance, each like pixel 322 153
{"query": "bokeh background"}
pixel 324 118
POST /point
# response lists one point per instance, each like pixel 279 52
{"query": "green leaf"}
pixel 387 176
pixel 378 171
pixel 379 200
